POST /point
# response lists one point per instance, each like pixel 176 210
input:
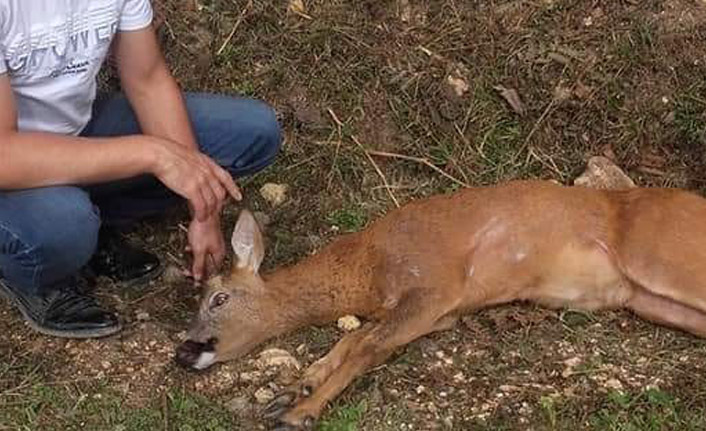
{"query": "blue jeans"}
pixel 48 234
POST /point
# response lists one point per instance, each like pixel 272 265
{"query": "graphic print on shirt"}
pixel 64 46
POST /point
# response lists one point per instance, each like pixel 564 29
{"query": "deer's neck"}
pixel 335 282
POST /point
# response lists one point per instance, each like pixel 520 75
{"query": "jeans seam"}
pixel 27 250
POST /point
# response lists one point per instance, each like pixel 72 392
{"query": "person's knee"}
pixel 267 132
pixel 265 137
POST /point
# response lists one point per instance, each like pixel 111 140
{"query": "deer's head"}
pixel 236 310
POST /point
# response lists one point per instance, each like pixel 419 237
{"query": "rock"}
pixel 277 358
pixel 349 323
pixel 614 384
pixel 238 405
pixel 274 194
pixel 457 84
pixel 264 395
pixel 602 173
pixel 570 365
pixel 250 376
pixel 287 376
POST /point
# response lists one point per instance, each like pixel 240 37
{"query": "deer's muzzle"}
pixel 193 354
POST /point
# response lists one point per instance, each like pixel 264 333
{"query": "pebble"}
pixel 349 323
pixel 264 395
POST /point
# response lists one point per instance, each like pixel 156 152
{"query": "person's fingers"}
pixel 226 180
pixel 198 266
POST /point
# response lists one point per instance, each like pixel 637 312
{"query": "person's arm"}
pixel 150 87
pixel 34 159
pixel 29 160
pixel 160 109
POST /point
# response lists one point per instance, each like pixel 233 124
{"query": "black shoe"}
pixel 64 312
pixel 116 259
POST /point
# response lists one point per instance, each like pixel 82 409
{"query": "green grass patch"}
pixel 344 418
pixel 349 219
pixel 74 407
pixel 651 410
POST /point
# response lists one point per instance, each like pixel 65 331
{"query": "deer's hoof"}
pixel 281 426
pixel 307 424
pixel 279 405
pixel 307 389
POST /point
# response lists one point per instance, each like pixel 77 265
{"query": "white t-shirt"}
pixel 52 51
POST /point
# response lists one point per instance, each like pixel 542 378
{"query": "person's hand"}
pixel 195 177
pixel 207 247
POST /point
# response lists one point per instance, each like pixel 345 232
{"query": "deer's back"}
pixel 522 240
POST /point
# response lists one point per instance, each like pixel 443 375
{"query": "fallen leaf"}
pixel 512 98
pixel 297 6
pixel 561 59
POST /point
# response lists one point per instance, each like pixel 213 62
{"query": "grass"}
pixel 651 410
pixel 349 219
pixel 344 418
pixel 74 407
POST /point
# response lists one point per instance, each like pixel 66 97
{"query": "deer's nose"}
pixel 189 352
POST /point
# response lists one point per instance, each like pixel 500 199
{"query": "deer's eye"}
pixel 219 299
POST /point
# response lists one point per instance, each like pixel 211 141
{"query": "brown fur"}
pixel 415 270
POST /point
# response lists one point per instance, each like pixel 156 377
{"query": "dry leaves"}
pixel 297 7
pixel 512 98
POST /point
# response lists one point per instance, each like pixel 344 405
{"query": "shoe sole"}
pixel 91 333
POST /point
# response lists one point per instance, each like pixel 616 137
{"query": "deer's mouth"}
pixel 196 355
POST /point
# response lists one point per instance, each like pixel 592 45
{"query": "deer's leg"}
pixel 316 374
pixel 416 315
pixel 668 312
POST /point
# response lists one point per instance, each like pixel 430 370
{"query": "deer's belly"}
pixel 581 276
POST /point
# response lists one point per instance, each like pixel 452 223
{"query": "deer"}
pixel 421 267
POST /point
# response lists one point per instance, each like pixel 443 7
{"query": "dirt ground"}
pixel 421 79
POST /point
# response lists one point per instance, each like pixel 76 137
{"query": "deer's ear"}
pixel 247 243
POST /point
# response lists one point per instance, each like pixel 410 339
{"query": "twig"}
pixel 339 130
pixel 534 129
pixel 382 176
pixel 425 162
pixel 235 27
